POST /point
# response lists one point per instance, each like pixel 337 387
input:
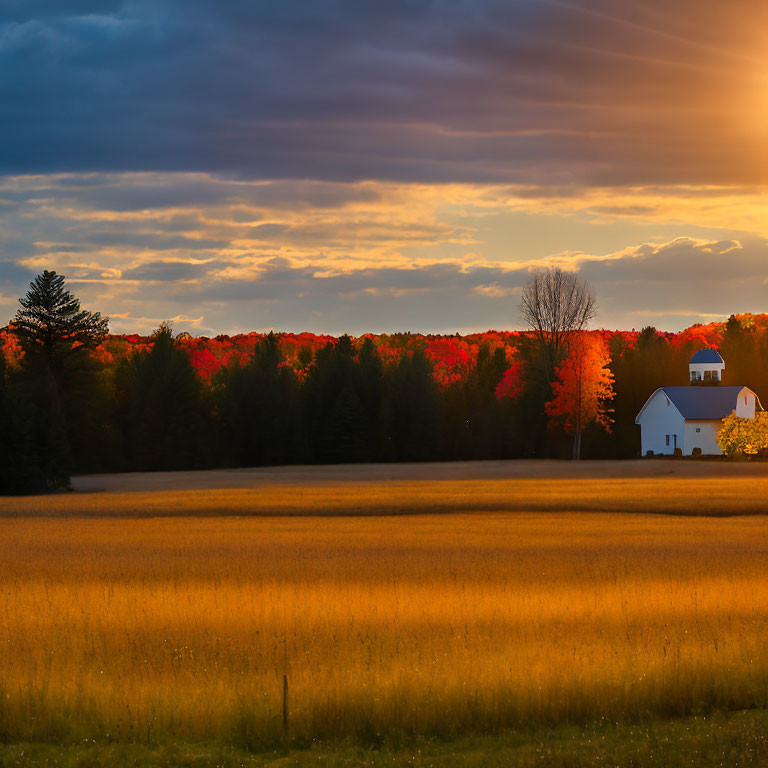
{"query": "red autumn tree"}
pixel 512 384
pixel 205 363
pixel 451 358
pixel 583 387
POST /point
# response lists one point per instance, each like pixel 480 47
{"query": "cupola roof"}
pixel 707 355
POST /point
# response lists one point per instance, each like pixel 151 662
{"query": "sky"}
pixel 384 165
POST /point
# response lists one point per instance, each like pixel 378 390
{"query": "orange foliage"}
pixel 584 384
pixel 389 354
pixel 10 348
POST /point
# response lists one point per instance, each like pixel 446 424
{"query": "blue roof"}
pixel 703 402
pixel 707 355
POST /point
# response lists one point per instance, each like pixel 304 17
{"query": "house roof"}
pixel 703 402
pixel 707 355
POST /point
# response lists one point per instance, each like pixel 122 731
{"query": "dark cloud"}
pixel 165 271
pixel 150 241
pixel 157 192
pixel 685 265
pixel 24 10
pixel 416 90
pixel 265 231
pixel 11 274
pixel 294 298
pixel 280 280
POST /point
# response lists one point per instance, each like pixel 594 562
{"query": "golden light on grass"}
pixel 721 494
pixel 439 624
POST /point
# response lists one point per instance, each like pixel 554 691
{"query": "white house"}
pixel 689 417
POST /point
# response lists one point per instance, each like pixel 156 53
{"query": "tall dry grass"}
pixel 724 493
pixel 183 627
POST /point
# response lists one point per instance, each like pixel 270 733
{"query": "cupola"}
pixel 706 365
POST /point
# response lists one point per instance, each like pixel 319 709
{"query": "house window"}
pixel 745 400
pixel 667 439
pixel 707 375
pixel 695 375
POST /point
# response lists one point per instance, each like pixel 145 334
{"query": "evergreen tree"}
pixel 369 390
pixel 738 350
pixel 161 409
pixel 257 404
pixel 340 404
pixel 59 380
pixel 51 323
pixel 473 421
pixel 19 468
pixel 345 437
pixel 410 410
pixel 9 448
pixel 33 451
pixel 532 438
pixel 488 421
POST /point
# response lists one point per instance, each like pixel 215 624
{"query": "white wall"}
pixel 745 406
pixel 704 439
pixel 658 419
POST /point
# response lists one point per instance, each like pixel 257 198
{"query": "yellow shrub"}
pixel 746 437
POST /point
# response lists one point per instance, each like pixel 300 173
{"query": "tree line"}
pixel 66 408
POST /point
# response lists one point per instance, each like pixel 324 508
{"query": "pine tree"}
pixel 51 322
pixel 369 389
pixel 161 408
pixel 19 469
pixel 257 405
pixel 410 410
pixel 344 440
pixel 338 403
pixel 738 350
pixel 58 388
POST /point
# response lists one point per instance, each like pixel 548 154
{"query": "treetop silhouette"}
pixel 51 320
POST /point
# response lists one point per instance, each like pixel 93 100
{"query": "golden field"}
pixel 181 626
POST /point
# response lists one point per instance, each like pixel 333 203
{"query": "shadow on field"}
pixel 645 487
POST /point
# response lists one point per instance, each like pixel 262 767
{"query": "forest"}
pixel 76 399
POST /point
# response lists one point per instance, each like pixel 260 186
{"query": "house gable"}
pixel 661 424
pixel 651 408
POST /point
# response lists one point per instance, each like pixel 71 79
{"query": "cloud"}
pixel 682 262
pixel 165 271
pixel 408 91
pixel 393 165
pixel 451 296
pixel 376 256
pixel 127 323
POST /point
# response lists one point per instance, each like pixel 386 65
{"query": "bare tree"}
pixel 555 304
